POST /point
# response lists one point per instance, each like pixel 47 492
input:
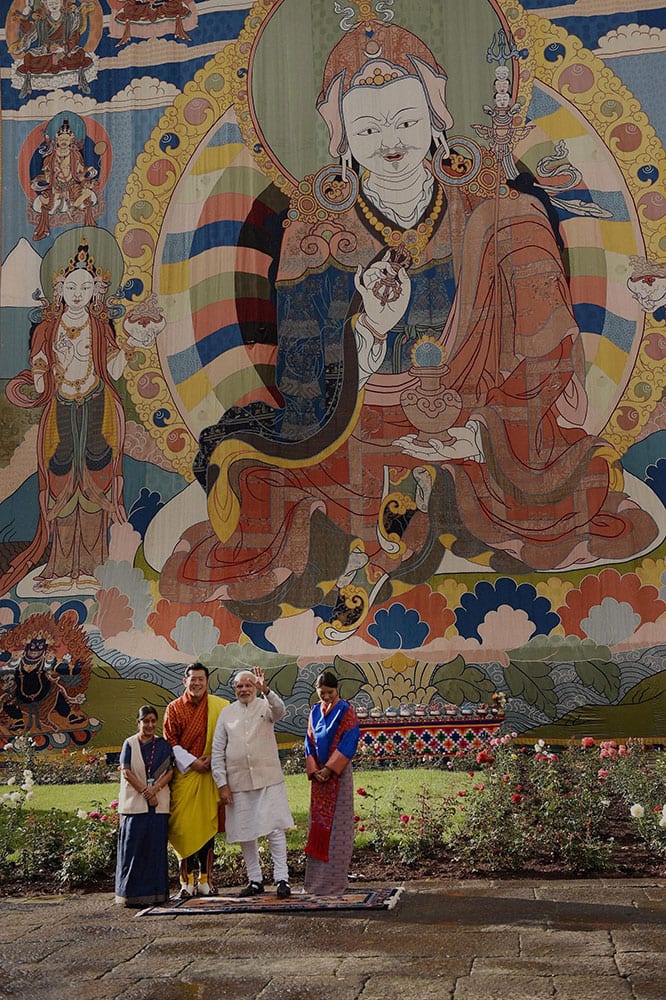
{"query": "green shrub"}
pixel 406 836
pixel 536 806
pixel 66 767
pixel 517 807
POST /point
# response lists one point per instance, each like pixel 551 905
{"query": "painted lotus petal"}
pixel 611 621
pixel 129 581
pixel 431 607
pixel 114 614
pixel 491 596
pixel 144 508
pixel 625 589
pixel 195 633
pixel 167 613
pixel 505 627
pixel 398 628
pixel 655 477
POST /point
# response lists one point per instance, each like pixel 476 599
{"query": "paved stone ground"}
pixel 601 939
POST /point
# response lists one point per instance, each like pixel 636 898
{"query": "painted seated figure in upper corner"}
pixel 408 278
pixel 151 14
pixel 50 37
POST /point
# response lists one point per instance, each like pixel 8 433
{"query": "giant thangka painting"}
pixel 334 333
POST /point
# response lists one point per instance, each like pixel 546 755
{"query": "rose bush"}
pixel 509 808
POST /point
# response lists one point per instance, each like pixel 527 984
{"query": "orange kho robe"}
pixel 194 796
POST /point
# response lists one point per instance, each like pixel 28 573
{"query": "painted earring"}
pixel 336 187
pixel 456 160
pixel 443 149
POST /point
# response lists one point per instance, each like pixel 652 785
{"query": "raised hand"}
pixel 385 288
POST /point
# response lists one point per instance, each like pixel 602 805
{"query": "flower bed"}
pixel 587 809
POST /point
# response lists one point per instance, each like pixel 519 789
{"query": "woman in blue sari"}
pixel 331 742
pixel 146 768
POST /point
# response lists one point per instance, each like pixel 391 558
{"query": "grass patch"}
pixel 69 798
pixel 387 790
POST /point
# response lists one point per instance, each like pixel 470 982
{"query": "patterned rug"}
pixel 355 899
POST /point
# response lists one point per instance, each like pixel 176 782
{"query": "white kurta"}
pixel 245 756
pixel 257 813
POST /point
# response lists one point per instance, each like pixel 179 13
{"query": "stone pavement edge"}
pixel 598 939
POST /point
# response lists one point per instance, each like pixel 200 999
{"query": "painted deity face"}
pixel 246 689
pixel 64 140
pixel 54 8
pixel 34 652
pixel 78 288
pixel 388 128
pixel 196 685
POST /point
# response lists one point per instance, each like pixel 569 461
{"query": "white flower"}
pixel 11 781
pixel 81 814
pixel 15 797
pixel 29 795
pixel 539 745
pixel 662 821
pixel 27 773
pixel 637 811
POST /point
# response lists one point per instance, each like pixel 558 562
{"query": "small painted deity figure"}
pixel 647 283
pixel 46 669
pixel 65 185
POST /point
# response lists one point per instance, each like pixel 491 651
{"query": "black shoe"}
pixel 283 889
pixel 251 889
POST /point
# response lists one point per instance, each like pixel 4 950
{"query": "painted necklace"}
pixel 415 239
pixel 73 331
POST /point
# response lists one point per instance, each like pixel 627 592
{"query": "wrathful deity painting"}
pixel 334 335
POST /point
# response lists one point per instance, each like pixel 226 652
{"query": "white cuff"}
pixel 184 759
